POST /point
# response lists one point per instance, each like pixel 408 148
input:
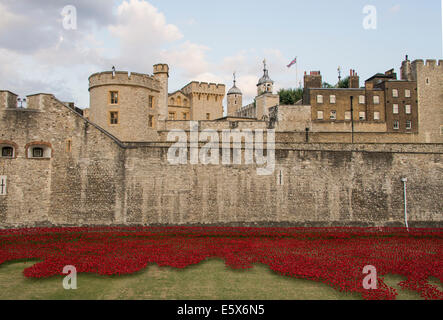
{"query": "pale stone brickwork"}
pixel 92 178
pixel 93 172
pixel 179 107
pixel 206 100
pixel 132 105
pixel 429 77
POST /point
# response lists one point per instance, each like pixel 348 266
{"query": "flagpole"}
pixel 296 70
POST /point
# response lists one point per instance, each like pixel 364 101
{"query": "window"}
pixel 395 109
pixel 151 102
pixel 408 109
pixel 7 152
pixel 441 130
pixel 407 93
pixel 208 116
pixel 394 93
pixel 113 117
pixel 185 116
pixel 151 121
pixel 362 99
pixel 396 125
pixel 333 115
pixel 186 102
pixel 171 116
pixel 319 98
pixel 2 185
pixel 376 99
pixel 172 101
pixel 408 125
pixel 332 99
pixel 427 81
pixel 362 115
pixel 113 97
pixel 37 152
pixel 348 115
pixel 320 115
pixel 377 115
pixel 69 145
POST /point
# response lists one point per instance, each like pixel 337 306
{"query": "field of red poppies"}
pixel 335 256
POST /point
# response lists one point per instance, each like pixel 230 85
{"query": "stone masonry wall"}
pixel 94 179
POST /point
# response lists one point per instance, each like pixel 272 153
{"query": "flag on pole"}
pixel 292 63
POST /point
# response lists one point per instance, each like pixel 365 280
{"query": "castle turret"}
pixel 406 70
pixel 265 98
pixel 125 104
pixel 235 99
pixel 161 73
pixel 265 84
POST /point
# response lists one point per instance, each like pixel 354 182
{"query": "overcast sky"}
pixel 208 41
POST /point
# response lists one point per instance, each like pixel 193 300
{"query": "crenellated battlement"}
pixel 204 88
pixel 8 99
pixel 429 64
pixel 161 68
pixel 123 78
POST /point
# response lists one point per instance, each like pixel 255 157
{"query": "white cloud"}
pixel 189 57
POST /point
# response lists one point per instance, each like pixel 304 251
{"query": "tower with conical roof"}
pixel 265 84
pixel 235 99
pixel 265 97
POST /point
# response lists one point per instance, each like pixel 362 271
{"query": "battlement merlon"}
pixel 161 68
pixel 124 78
pixel 204 88
pixel 430 63
pixel 8 99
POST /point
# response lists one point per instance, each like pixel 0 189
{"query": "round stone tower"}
pixel 235 99
pixel 161 74
pixel 125 104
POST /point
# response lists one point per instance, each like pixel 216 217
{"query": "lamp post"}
pixel 352 119
pixel 404 180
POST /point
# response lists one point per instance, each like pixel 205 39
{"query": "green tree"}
pixel 327 85
pixel 290 96
pixel 344 83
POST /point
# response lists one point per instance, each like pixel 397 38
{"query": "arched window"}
pixel 172 101
pixel 179 101
pixel 8 149
pixel 186 102
pixel 38 150
pixel 7 152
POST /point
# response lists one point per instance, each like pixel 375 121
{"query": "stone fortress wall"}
pixel 92 178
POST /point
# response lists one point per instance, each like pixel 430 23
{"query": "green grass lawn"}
pixel 208 280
